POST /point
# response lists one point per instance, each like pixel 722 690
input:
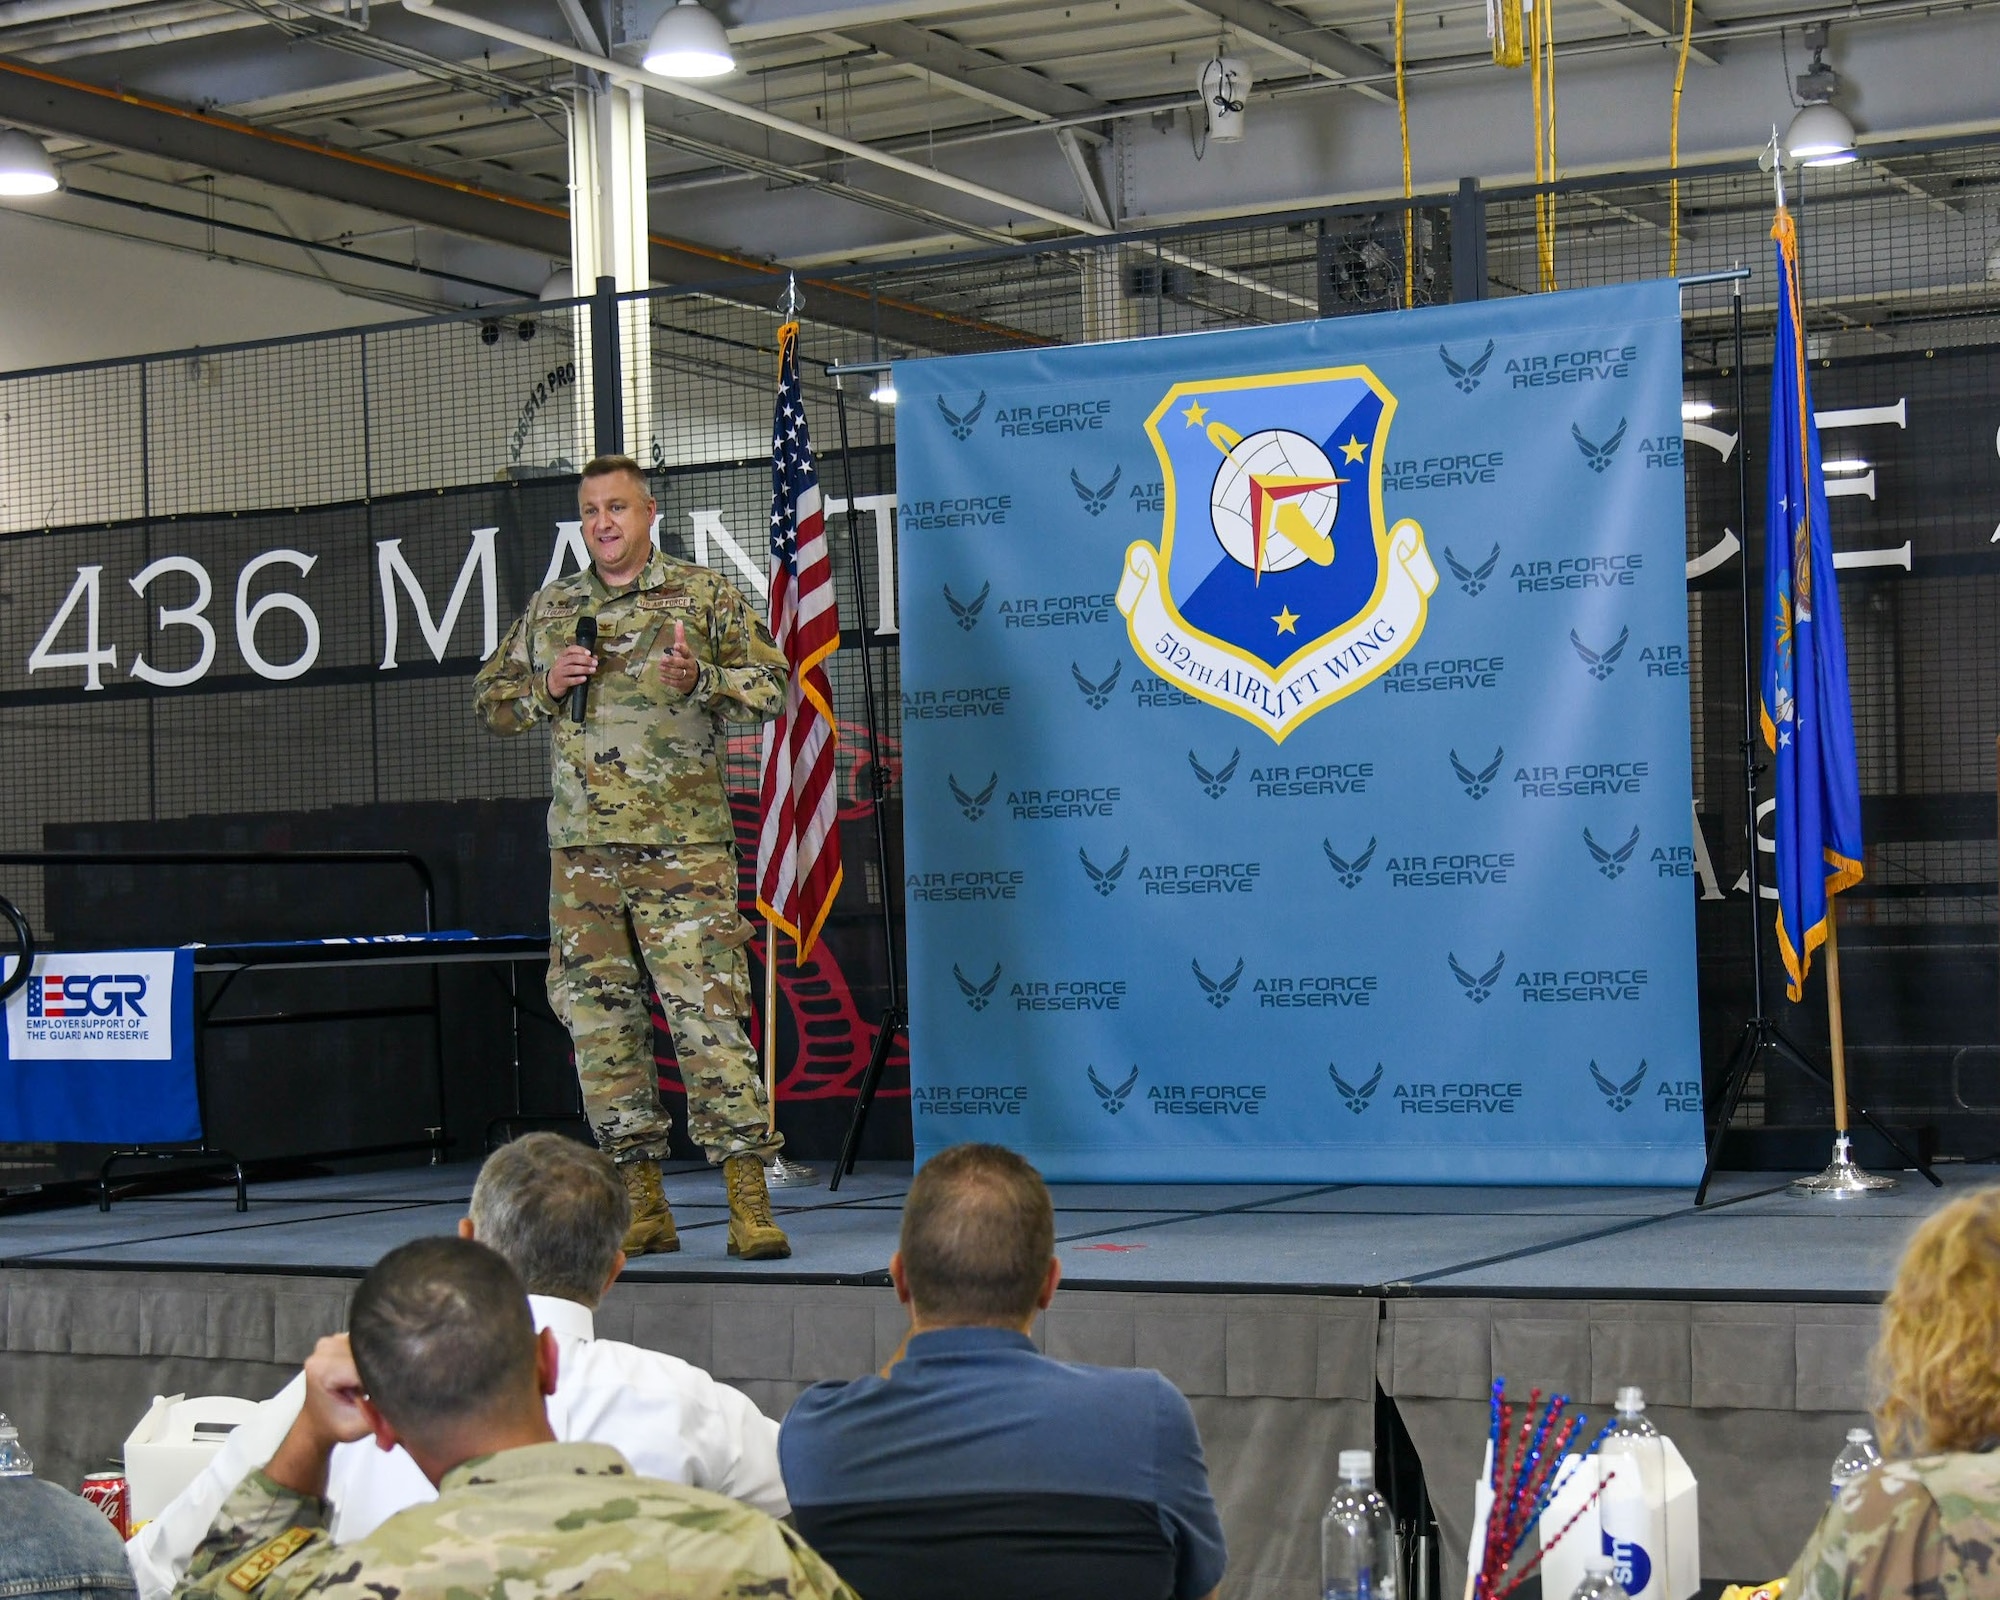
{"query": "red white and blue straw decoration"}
pixel 1523 1467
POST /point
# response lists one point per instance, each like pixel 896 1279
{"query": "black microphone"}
pixel 586 635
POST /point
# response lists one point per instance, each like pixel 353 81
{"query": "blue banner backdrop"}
pixel 1297 753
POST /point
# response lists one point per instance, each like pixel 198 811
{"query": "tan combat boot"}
pixel 752 1233
pixel 652 1231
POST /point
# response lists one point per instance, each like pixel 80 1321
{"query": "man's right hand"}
pixel 334 1413
pixel 575 665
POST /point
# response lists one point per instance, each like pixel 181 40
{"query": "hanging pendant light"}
pixel 1821 135
pixel 25 167
pixel 688 42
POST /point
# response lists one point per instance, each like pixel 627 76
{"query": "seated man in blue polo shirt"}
pixel 974 1467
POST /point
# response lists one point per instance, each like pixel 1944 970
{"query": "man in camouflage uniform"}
pixel 1925 1529
pixel 643 852
pixel 443 1358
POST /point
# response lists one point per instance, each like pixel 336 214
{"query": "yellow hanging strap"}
pixel 1409 216
pixel 1504 24
pixel 1674 142
pixel 1542 61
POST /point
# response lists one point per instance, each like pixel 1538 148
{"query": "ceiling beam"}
pixel 1018 91
pixel 1656 17
pixel 143 126
pixel 1285 33
pixel 48 103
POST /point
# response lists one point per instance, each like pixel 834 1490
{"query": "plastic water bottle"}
pixel 1859 1456
pixel 14 1460
pixel 1631 1511
pixel 1600 1580
pixel 1357 1536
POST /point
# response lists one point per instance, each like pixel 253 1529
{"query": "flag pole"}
pixel 778 1172
pixel 1836 1035
pixel 1841 1178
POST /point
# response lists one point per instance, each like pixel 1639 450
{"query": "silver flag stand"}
pixel 1842 1179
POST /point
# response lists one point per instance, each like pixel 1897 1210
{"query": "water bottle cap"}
pixel 1357 1466
pixel 1860 1436
pixel 1599 1566
pixel 1631 1398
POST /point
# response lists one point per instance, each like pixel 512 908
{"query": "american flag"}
pixel 798 849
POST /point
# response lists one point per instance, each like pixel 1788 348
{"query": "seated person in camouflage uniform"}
pixel 1925 1525
pixel 642 845
pixel 443 1359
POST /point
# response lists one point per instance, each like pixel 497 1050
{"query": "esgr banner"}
pixel 98 1047
pixel 1297 751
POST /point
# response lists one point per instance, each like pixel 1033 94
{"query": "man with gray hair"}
pixel 556 1211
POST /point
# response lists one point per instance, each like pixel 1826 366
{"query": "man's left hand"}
pixel 679 668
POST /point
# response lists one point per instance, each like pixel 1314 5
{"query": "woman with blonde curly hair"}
pixel 1926 1524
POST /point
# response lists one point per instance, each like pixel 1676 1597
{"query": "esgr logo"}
pixel 110 1007
pixel 87 994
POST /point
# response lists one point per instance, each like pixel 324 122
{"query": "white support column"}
pixel 623 173
pixel 585 260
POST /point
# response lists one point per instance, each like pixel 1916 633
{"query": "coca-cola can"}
pixel 109 1493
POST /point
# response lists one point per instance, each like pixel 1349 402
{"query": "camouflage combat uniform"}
pixel 643 854
pixel 1927 1529
pixel 525 1524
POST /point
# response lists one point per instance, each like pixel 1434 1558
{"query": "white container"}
pixel 175 1439
pixel 1630 1528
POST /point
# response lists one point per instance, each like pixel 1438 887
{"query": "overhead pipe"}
pixel 18 41
pixel 20 13
pixel 110 44
pixel 765 119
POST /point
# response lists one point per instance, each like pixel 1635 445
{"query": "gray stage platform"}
pixel 1286 1312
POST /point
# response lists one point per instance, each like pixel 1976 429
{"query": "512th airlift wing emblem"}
pixel 1278 586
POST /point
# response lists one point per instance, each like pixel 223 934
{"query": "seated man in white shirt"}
pixel 556 1210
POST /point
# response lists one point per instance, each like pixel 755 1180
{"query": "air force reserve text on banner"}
pixel 1290 790
pixel 99 1048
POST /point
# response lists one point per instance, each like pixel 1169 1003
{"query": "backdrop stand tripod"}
pixel 1761 1034
pixel 895 1018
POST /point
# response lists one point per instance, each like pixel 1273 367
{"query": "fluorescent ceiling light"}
pixel 1820 136
pixel 1844 466
pixel 25 167
pixel 688 42
pixel 1696 411
pixel 561 286
pixel 884 392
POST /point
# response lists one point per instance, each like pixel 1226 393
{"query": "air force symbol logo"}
pixel 1279 586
